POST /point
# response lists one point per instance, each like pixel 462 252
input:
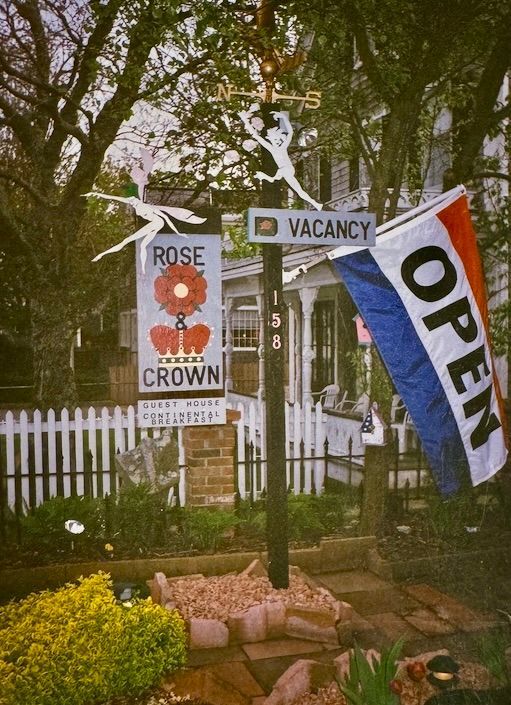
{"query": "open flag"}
pixel 421 293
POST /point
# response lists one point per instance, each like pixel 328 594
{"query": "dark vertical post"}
pixel 276 506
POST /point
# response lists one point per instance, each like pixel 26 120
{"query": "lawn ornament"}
pixel 374 428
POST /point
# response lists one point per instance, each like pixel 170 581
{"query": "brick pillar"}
pixel 209 456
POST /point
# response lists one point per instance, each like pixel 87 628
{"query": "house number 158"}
pixel 276 322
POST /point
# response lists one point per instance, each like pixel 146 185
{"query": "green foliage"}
pixel 76 645
pixel 304 518
pixel 240 247
pixel 136 520
pixel 311 517
pixel 204 529
pixel 367 682
pixel 447 518
pixel 492 654
pixel 44 529
pixel 252 520
pixel 140 517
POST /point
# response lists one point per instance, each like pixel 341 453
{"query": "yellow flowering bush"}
pixel 77 645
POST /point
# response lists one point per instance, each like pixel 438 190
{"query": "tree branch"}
pixel 25 185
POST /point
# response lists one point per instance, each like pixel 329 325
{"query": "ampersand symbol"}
pixel 180 322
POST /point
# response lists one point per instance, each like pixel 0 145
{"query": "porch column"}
pixel 298 349
pixel 291 353
pixel 228 344
pixel 260 347
pixel 308 297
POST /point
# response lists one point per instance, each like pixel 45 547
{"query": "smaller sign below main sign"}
pixel 200 411
pixel 290 227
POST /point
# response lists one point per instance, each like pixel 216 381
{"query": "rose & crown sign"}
pixel 180 315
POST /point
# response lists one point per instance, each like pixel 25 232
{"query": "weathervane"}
pixel 278 138
pixel 311 99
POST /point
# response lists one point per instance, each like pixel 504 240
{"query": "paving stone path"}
pixel 384 612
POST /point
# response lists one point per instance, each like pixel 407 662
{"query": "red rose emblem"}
pixel 180 289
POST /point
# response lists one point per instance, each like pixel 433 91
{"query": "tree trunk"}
pixel 52 337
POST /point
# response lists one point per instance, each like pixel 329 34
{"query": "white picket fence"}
pixel 42 457
pixel 73 454
pixel 305 465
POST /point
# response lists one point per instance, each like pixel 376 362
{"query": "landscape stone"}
pixel 161 593
pixel 256 569
pixel 276 619
pixel 304 676
pixel 207 633
pixel 343 611
pixel 449 609
pixel 344 632
pixel 393 626
pixel 248 626
pixel 313 624
pixel 139 465
pixel 238 675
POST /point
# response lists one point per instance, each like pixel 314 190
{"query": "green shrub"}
pixel 303 518
pixel 204 529
pixel 447 518
pixel 76 645
pixel 492 654
pixel 314 516
pixel 252 520
pixel 140 518
pixel 43 529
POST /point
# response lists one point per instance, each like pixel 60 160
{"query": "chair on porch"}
pixel 328 396
pixel 359 406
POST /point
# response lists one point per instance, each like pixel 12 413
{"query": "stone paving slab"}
pixel 203 657
pixel 280 647
pixel 352 581
pixel 238 675
pixel 376 601
pixel 393 626
pixel 449 609
pixel 428 623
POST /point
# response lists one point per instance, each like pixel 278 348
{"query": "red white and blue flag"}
pixel 421 293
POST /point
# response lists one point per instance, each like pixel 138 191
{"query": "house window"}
pixel 323 330
pixel 244 328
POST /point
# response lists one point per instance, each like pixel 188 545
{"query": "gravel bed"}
pixel 220 596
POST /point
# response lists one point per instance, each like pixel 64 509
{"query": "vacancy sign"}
pixel 291 227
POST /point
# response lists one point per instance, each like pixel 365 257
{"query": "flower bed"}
pixel 244 607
